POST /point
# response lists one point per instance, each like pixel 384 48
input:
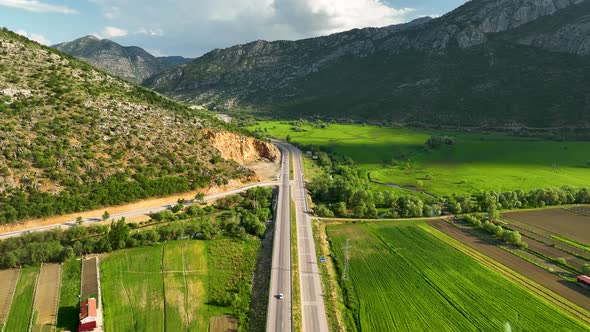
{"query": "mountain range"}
pixel 131 63
pixel 488 63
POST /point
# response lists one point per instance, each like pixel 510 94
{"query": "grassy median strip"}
pixel 296 310
pixel 291 172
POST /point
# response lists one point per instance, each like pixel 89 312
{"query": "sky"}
pixel 193 27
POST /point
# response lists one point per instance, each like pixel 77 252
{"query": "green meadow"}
pixel 476 162
pixel 175 286
pixel 403 278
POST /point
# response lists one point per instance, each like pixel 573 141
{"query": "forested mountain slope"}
pixel 75 138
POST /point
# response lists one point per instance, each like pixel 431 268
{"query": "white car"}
pixel 280 296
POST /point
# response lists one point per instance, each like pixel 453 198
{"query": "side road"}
pixel 134 213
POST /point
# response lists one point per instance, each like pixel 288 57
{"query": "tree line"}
pixel 345 192
pixel 240 215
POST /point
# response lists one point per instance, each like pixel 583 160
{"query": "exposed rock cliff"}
pixel 241 149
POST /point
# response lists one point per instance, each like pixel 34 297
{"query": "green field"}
pixel 170 286
pixel 401 278
pixel 68 312
pixel 22 304
pixel 476 162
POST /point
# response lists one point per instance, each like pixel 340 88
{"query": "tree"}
pixel 288 138
pixel 493 214
pixel 200 198
pixel 586 269
pixel 79 220
pixel 118 234
pixel 106 215
pixel 340 209
pixel 322 211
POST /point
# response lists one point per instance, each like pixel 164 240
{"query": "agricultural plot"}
pixel 132 290
pixel 89 278
pixel 9 279
pixel 550 281
pixel 402 278
pixel 68 313
pixel 47 297
pixel 556 221
pixel 476 162
pixel 175 286
pixel 22 305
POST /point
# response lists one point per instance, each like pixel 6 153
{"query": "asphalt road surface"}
pixel 135 213
pixel 279 309
pixel 312 298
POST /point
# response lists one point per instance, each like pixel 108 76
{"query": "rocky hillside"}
pixel 132 63
pixel 488 63
pixel 75 138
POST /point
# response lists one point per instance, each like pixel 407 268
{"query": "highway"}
pixel 135 213
pixel 279 310
pixel 312 298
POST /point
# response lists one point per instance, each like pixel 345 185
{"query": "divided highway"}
pixel 279 317
pixel 312 298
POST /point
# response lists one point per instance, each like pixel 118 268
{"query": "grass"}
pixel 402 278
pixel 296 313
pixel 476 162
pixel 571 242
pixel 22 304
pixel 291 171
pixel 178 285
pixel 68 311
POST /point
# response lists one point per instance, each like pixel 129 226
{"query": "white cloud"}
pixel 34 36
pixel 150 32
pixel 37 6
pixel 195 26
pixel 112 32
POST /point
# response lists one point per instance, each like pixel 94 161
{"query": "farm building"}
pixel 584 280
pixel 87 315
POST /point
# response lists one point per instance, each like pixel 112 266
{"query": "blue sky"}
pixel 194 27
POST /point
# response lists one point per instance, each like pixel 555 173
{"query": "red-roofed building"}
pixel 90 326
pixel 584 280
pixel 87 315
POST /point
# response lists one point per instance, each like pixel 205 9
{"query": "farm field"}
pixel 9 279
pixel 552 282
pixel 556 221
pixel 22 305
pixel 544 243
pixel 68 313
pixel 476 162
pixel 89 278
pixel 406 279
pixel 46 298
pixel 172 286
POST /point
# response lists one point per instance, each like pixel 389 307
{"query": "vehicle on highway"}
pixel 280 296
